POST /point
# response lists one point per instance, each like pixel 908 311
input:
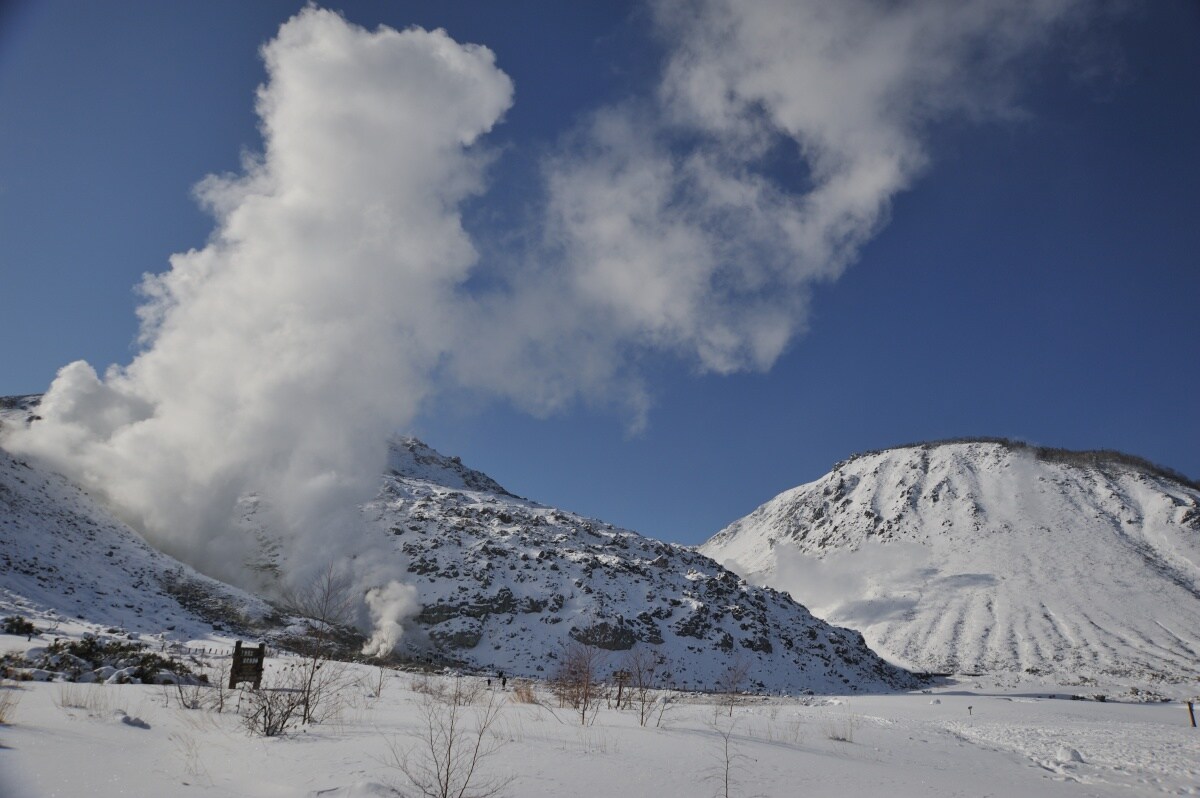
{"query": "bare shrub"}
pixel 425 684
pixel 731 681
pixel 219 693
pixel 372 685
pixel 467 691
pixel 446 757
pixel 643 668
pixel 577 680
pixel 726 759
pixel 328 599
pixel 187 696
pixel 329 603
pixel 662 704
pixel 270 711
pixel 790 732
pixel 378 682
pixel 308 689
pixel 210 691
pixel 321 683
pixel 9 698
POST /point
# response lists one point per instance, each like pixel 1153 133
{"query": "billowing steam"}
pixel 280 356
pixel 388 605
pixel 332 299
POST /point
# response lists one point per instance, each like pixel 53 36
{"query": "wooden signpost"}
pixel 247 665
pixel 622 678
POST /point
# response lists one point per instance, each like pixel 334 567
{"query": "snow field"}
pixel 122 740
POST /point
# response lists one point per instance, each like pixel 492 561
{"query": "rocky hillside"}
pixel 992 555
pixel 505 583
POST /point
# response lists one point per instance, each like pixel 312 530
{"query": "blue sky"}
pixel 1037 278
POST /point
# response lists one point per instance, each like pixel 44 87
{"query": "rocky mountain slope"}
pixel 992 556
pixel 503 583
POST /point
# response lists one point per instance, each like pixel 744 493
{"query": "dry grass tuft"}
pixel 9 698
pixel 91 698
pixel 522 693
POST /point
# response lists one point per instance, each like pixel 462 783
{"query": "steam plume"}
pixel 280 356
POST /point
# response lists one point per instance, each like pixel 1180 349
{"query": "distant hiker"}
pixel 503 681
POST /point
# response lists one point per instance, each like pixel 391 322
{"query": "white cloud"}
pixel 695 220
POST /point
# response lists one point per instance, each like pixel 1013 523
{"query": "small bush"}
pixel 373 684
pixel 307 691
pixel 17 625
pixel 9 697
pixel 270 712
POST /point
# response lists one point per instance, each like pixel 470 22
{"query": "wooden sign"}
pixel 621 677
pixel 247 665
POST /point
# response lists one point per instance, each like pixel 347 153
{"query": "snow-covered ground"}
pixel 969 738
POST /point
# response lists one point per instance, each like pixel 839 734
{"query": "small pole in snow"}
pixel 1192 714
pixel 969 708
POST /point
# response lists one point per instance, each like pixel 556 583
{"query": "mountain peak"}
pixel 1083 458
pixel 990 555
pixel 411 458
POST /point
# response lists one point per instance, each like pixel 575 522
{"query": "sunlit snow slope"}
pixel 991 556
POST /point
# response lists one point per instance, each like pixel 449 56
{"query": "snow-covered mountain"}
pixel 991 555
pixel 64 556
pixel 503 583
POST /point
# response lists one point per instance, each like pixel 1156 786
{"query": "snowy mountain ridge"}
pixel 412 459
pixel 988 555
pixel 503 583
